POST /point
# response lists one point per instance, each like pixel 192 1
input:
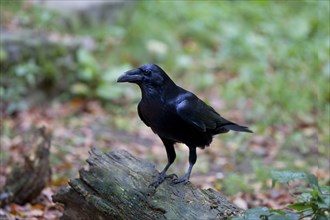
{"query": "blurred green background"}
pixel 264 64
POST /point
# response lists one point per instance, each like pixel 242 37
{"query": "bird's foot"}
pixel 161 178
pixel 184 179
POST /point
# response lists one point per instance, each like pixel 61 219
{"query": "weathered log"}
pixel 116 187
pixel 25 182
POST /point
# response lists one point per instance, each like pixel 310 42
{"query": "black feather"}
pixel 176 115
pixel 235 127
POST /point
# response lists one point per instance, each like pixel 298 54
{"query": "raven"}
pixel 175 115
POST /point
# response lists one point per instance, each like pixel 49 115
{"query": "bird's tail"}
pixel 236 127
pixel 226 126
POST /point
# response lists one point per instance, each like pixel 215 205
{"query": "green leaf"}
pixel 109 91
pixel 278 211
pixel 270 214
pixel 3 54
pixel 86 58
pixel 300 206
pixel 312 180
pixel 112 74
pixel 283 217
pixel 324 202
pixel 305 197
pixel 238 218
pixel 325 189
pixel 257 213
pixel 289 176
pixel 283 214
pixel 86 74
pixel 292 216
pixel 79 89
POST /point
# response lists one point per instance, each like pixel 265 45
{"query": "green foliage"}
pixel 29 16
pixel 49 69
pixel 268 51
pixel 289 176
pixel 94 82
pixel 32 66
pixel 265 213
pixel 274 53
pixel 312 202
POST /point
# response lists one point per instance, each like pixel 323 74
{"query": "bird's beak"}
pixel 130 76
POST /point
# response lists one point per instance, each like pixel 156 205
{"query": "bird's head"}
pixel 146 75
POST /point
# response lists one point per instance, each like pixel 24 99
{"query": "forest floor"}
pixel 78 126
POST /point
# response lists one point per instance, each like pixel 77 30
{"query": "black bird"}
pixel 175 115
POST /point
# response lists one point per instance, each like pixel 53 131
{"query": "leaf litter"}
pixel 79 125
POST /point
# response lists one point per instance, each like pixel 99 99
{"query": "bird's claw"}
pixel 183 180
pixel 161 179
pixel 172 176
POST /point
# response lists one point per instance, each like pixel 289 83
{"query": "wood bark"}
pixel 26 182
pixel 116 187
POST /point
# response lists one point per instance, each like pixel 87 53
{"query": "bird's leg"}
pixel 192 161
pixel 169 146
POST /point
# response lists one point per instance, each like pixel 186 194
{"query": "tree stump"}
pixel 26 182
pixel 116 187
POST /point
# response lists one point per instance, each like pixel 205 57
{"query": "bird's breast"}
pixel 154 112
pixel 158 114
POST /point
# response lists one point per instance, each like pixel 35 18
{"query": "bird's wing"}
pixel 141 116
pixel 196 113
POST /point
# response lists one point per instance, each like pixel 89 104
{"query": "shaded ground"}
pixel 77 126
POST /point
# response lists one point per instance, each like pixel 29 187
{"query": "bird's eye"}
pixel 147 72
